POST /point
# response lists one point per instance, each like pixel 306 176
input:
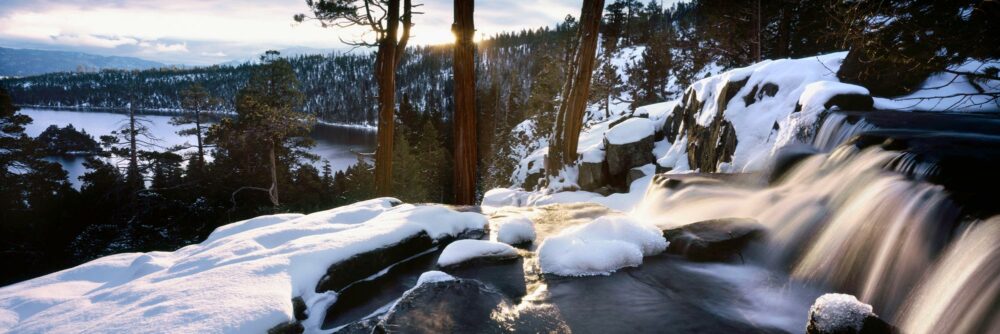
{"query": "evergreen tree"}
pixel 196 101
pixel 269 132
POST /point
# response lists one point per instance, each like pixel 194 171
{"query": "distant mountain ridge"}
pixel 28 62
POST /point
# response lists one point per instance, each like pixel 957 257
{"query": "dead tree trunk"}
pixel 566 137
pixel 465 103
pixel 390 50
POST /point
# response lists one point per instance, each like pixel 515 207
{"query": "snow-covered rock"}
pixel 513 230
pixel 600 247
pixel 842 313
pixel 629 131
pixel 241 280
pixel 834 311
pixel 462 251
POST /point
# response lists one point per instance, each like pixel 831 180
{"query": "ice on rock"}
pixel 600 247
pixel 465 250
pixel 513 230
pixel 833 312
pixel 630 131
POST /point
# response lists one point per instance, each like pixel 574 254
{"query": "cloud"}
pixel 218 54
pixel 93 40
pixel 194 31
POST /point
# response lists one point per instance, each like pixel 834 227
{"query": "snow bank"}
pixel 950 91
pixel 241 280
pixel 465 250
pixel 833 312
pixel 513 230
pixel 599 247
pixel 630 131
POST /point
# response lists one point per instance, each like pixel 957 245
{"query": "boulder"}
pixel 593 175
pixel 360 266
pixel 531 181
pixel 835 313
pixel 451 306
pixel 622 157
pixel 713 240
pixel 472 252
pixel 633 174
pixel 852 102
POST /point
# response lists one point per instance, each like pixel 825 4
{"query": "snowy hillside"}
pixel 737 121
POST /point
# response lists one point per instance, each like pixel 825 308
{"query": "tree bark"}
pixel 465 103
pixel 201 147
pixel 272 192
pixel 385 74
pixel 566 137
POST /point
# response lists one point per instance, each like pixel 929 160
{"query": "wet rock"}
pixel 713 240
pixel 634 174
pixel 622 157
pixel 291 327
pixel 835 313
pixel 453 306
pixel 593 175
pixel 786 158
pixel 853 102
pixel 365 326
pixel 299 308
pixel 680 181
pixel 357 267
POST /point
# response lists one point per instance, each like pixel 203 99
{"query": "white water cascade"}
pixel 858 221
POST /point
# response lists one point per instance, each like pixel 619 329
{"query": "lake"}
pixel 336 144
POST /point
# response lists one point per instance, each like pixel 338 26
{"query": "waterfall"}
pixel 962 293
pixel 837 128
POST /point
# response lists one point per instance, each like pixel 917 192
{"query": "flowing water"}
pixel 864 220
pixel 337 144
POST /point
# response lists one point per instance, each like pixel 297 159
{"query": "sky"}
pixel 202 32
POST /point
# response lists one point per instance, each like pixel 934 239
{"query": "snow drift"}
pixel 242 279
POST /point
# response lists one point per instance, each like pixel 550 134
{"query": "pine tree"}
pixel 196 100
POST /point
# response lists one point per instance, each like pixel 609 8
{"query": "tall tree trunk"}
pixel 465 103
pixel 133 177
pixel 272 192
pixel 562 150
pixel 201 147
pixel 390 51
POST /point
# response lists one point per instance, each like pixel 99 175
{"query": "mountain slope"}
pixel 25 62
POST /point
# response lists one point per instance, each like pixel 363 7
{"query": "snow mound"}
pixel 241 280
pixel 502 197
pixel 513 230
pixel 431 277
pixel 599 247
pixel 465 250
pixel 630 131
pixel 834 311
pixel 816 94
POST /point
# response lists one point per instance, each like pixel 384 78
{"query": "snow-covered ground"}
pixel 240 280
